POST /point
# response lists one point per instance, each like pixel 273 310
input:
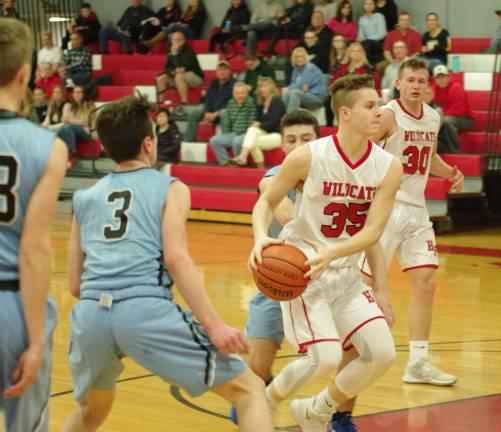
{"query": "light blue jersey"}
pixel 120 220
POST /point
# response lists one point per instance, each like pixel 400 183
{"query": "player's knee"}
pixel 427 285
pixel 244 386
pixel 384 357
pixel 326 357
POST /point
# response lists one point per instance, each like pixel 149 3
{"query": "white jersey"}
pixel 413 143
pixel 336 196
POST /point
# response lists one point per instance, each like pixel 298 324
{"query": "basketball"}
pixel 281 274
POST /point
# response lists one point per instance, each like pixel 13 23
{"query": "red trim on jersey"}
pixel 421 266
pixel 302 346
pixel 350 334
pixel 292 321
pixel 409 113
pixel 365 273
pixel 307 319
pixel 345 158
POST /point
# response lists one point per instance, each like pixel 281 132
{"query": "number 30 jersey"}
pixel 120 220
pixel 336 196
pixel 413 143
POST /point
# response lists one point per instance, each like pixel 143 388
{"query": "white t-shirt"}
pixel 49 55
pixel 329 10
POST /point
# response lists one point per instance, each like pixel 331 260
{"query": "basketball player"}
pixel 32 168
pixel 349 185
pixel 125 228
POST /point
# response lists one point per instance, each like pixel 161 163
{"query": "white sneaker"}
pixel 312 423
pixel 423 372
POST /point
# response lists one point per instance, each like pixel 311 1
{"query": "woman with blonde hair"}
pixel 53 119
pixel 263 134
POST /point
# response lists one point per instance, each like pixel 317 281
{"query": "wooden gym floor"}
pixel 465 340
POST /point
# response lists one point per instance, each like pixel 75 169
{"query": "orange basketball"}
pixel 281 274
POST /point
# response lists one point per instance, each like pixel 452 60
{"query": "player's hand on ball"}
pixel 457 179
pixel 229 340
pixel 259 245
pixel 384 304
pixel 319 263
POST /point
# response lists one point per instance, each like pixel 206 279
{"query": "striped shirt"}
pixel 239 117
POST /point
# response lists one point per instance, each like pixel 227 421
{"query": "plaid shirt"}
pixel 78 60
pixel 239 116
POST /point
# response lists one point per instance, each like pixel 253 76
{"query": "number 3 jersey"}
pixel 336 196
pixel 413 143
pixel 24 152
pixel 120 220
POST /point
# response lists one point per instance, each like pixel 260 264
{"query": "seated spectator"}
pixel 327 7
pixel 217 97
pixel 452 98
pixel 240 114
pixel 317 53
pixel 308 87
pixel 76 119
pixel 49 53
pixel 256 67
pixel 54 118
pixel 495 45
pixel 292 24
pixel 404 33
pixel 337 53
pixel 181 70
pixel 39 109
pixel 86 23
pixel 390 12
pixel 127 29
pixel 151 27
pixel 319 26
pixel 192 21
pixel 391 72
pixel 343 23
pixel 169 139
pixel 25 108
pixel 371 32
pixel 436 42
pixel 231 27
pixel 263 134
pixel 76 65
pixel 9 9
pixel 47 79
pixel 264 17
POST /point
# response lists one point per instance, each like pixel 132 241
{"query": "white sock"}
pixel 417 350
pixel 323 403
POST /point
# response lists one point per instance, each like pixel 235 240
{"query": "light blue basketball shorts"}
pixel 265 319
pixel 153 331
pixel 28 412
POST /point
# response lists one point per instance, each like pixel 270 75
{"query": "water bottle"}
pixel 455 64
pixel 227 24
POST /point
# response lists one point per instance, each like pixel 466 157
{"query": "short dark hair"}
pixel 413 63
pixel 343 87
pixel 123 125
pixel 432 13
pixel 85 6
pixel 299 117
pixel 164 111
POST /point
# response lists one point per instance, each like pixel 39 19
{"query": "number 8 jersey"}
pixel 413 143
pixel 336 196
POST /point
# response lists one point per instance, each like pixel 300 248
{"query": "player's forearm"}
pixel 284 211
pixel 262 216
pixel 440 168
pixel 363 240
pixel 377 264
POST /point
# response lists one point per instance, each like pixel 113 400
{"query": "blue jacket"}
pixel 312 76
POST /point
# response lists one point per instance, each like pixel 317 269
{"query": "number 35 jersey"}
pixel 413 143
pixel 336 196
pixel 120 220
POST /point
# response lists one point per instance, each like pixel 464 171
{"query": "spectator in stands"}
pixel 292 24
pixel 399 53
pixel 390 12
pixel 324 33
pixel 191 23
pixel 54 118
pixel 337 53
pixel 405 33
pixel 217 97
pixel 181 70
pixel 127 29
pixel 76 118
pixel 169 139
pixel 76 65
pixel 371 32
pixel 47 79
pixel 308 87
pixel 86 23
pixel 355 62
pixel 495 45
pixel 9 9
pixel 49 53
pixel 26 107
pixel 452 98
pixel 240 114
pixel 264 17
pixel 436 42
pixel 343 23
pixel 317 53
pixel 39 110
pixel 263 134
pixel 231 28
pixel 256 67
pixel 151 27
pixel 327 7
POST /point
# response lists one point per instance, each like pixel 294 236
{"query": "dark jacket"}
pixel 300 14
pixel 90 32
pixel 218 96
pixel 168 17
pixel 390 13
pixel 325 37
pixel 270 120
pixel 251 76
pixel 319 56
pixel 132 17
pixel 185 58
pixel 196 21
pixel 169 143
pixel 237 16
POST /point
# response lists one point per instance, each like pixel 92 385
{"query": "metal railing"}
pixel 493 126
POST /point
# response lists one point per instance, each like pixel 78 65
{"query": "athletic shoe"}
pixel 423 372
pixel 312 423
pixel 341 422
pixel 233 415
